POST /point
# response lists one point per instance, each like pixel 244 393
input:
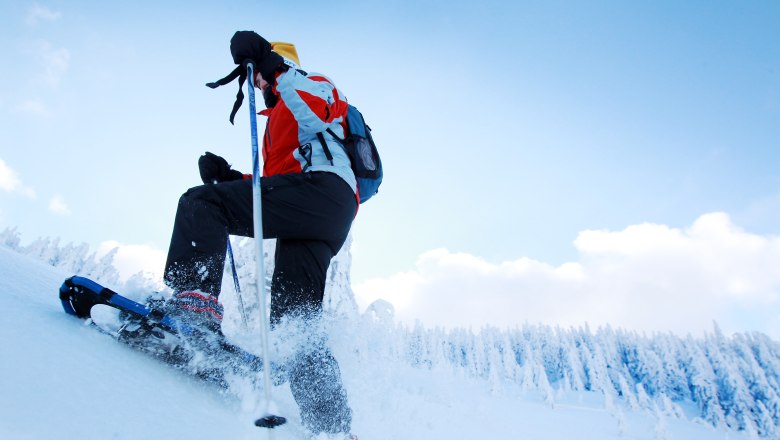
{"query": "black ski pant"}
pixel 310 215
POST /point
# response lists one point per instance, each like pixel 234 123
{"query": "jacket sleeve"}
pixel 313 100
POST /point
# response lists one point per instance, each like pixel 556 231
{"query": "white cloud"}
pixel 54 62
pixel 58 206
pixel 32 106
pixel 51 63
pixel 131 259
pixel 39 13
pixel 647 277
pixel 10 182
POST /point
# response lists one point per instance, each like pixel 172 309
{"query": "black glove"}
pixel 214 169
pixel 248 45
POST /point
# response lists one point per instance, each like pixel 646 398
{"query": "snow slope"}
pixel 60 379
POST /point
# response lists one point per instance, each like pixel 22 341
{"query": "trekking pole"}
pixel 268 420
pixel 237 285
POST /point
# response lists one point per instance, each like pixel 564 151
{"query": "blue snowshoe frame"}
pixel 79 294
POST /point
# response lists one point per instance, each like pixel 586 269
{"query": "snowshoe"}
pixel 148 328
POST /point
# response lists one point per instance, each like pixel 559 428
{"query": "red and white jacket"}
pixel 307 105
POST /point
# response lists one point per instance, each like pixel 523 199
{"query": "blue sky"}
pixel 506 130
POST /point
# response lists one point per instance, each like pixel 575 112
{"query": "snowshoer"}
pixel 309 201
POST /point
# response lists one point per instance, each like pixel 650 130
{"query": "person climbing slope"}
pixel 309 199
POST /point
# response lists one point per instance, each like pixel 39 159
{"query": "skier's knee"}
pixel 201 192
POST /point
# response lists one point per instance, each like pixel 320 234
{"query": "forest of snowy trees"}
pixel 721 380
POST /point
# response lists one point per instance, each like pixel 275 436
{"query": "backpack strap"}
pixel 325 148
pixel 338 139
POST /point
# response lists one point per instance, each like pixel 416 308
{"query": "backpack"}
pixel 362 153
